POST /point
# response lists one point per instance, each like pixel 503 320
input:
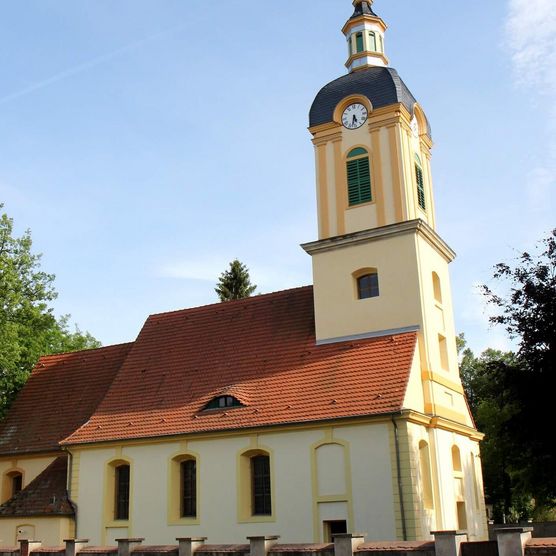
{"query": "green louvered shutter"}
pixel 420 187
pixel 359 42
pixel 359 181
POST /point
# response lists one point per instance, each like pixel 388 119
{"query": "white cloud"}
pixel 531 38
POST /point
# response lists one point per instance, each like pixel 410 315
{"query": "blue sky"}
pixel 148 143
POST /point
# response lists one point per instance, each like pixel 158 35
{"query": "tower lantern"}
pixel 364 33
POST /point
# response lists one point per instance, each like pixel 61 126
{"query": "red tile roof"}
pixel 60 395
pixel 541 543
pixel 46 494
pixel 261 350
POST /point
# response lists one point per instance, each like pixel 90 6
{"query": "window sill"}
pixel 367 204
pixel 118 523
pixel 258 519
pixel 185 521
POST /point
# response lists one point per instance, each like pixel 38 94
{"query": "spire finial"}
pixel 363 7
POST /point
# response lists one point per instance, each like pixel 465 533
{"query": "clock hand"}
pixel 354 121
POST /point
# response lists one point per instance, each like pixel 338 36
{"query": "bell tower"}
pixel 379 266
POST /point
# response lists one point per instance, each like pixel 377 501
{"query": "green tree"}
pixel 28 327
pixel 487 381
pixel 528 312
pixel 235 283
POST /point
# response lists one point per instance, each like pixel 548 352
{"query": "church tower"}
pixel 379 266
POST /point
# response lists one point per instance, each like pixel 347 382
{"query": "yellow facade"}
pixel 51 531
pixel 28 465
pixel 355 470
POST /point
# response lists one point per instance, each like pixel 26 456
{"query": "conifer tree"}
pixel 235 283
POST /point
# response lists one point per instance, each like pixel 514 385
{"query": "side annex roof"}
pixel 60 395
pixel 45 495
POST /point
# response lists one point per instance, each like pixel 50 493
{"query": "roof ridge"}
pixel 86 350
pixel 233 303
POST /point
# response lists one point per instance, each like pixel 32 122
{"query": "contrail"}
pixel 85 66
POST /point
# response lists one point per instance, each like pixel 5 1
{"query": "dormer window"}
pixel 223 402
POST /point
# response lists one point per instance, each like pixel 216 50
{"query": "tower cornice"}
pixel 362 18
pixel 416 226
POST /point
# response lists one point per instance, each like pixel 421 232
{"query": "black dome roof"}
pixel 382 86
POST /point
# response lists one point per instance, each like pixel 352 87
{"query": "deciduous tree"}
pixel 528 312
pixel 28 327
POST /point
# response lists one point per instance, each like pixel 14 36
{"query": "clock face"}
pixel 415 127
pixel 354 116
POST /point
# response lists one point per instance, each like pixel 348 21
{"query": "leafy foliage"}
pixel 235 283
pixel 528 313
pixel 487 382
pixel 28 327
pixel 511 395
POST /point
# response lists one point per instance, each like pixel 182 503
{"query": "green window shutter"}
pixel 359 42
pixel 420 187
pixel 359 181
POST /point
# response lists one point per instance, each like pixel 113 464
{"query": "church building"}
pixel 331 408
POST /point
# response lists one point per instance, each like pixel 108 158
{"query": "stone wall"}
pixel 516 541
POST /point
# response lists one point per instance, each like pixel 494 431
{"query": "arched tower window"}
pixel 456 459
pixel 420 183
pixel 367 286
pixel 437 288
pixel 359 177
pixel 461 511
pixel 425 467
pixel 359 45
pixel 372 41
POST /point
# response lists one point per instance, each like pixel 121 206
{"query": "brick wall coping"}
pixel 99 549
pixel 223 548
pixel 323 547
pixel 396 546
pixel 161 548
pixel 48 549
pixel 547 542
